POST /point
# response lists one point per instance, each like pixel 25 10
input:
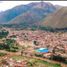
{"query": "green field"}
pixel 31 62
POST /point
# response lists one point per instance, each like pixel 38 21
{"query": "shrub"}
pixel 2 54
pixel 39 55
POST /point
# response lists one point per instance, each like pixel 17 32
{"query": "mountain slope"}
pixel 32 8
pixel 57 19
pixel 33 16
pixel 12 13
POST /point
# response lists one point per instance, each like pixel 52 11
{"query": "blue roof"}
pixel 42 50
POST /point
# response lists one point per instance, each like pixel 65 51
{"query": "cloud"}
pixel 5 5
pixel 1 1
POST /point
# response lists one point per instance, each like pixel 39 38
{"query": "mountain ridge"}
pixel 10 14
pixel 57 19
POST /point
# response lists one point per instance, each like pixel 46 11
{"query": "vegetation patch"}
pixel 32 62
pixel 18 57
pixel 9 45
pixel 2 54
pixel 49 64
pixel 3 34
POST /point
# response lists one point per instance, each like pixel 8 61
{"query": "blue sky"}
pixel 5 5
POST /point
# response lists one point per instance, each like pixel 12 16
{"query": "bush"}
pixel 11 50
pixel 39 55
pixel 2 54
pixel 15 47
pixel 1 47
pixel 58 58
pixel 3 33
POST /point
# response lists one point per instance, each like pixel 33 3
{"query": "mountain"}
pixel 33 16
pixel 57 20
pixel 32 9
pixel 10 14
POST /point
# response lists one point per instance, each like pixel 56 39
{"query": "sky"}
pixel 5 5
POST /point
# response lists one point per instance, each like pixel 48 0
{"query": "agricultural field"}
pixel 32 62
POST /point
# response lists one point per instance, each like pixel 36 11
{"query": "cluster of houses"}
pixel 40 43
pixel 43 38
pixel 55 42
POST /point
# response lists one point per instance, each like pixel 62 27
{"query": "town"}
pixel 38 44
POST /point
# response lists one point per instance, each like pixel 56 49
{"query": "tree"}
pixel 22 50
pixel 36 43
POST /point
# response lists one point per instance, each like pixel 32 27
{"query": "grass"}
pixel 35 62
pixel 18 58
pixel 2 54
pixel 49 64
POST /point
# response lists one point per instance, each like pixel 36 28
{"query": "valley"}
pixel 33 35
pixel 25 42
